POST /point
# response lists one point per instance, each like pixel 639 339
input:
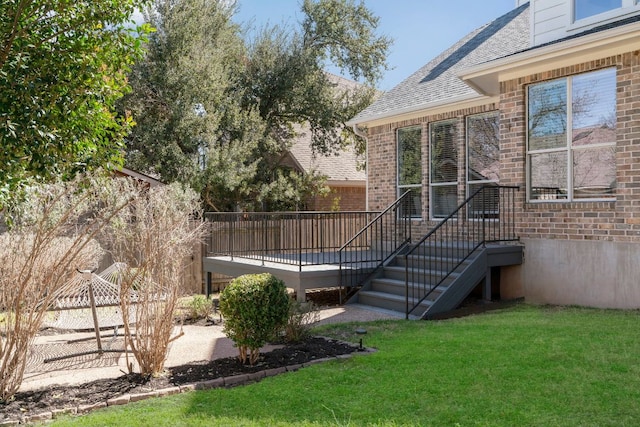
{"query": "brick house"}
pixel 494 109
pixel 345 180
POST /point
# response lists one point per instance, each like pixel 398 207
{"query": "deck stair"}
pixel 388 290
pixel 436 273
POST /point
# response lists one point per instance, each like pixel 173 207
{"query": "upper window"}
pixel 571 145
pixel 410 169
pixel 586 8
pixel 444 169
pixel 588 12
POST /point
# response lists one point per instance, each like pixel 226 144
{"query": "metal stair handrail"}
pixel 375 243
pixel 484 217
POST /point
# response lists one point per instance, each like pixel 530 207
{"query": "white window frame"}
pixel 568 148
pixel 432 185
pixel 468 162
pixel 628 7
pixel 469 181
pixel 401 189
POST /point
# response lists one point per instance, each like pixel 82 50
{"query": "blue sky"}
pixel 421 29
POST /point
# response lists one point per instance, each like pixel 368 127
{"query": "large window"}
pixel 483 151
pixel 483 163
pixel 443 160
pixel 410 169
pixel 571 145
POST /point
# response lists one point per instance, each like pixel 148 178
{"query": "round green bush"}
pixel 255 307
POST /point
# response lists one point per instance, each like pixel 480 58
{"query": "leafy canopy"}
pixel 218 107
pixel 63 65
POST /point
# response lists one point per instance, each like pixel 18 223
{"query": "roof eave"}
pixel 486 77
pixel 419 110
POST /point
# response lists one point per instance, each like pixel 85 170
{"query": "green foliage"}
pixel 199 307
pixel 63 65
pixel 302 316
pixel 254 307
pixel 219 112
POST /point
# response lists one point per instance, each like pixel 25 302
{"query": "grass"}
pixel 531 366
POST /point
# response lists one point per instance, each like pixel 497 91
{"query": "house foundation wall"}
pixel 570 272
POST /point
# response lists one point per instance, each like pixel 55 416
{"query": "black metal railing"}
pixel 372 246
pixel 293 238
pixel 484 217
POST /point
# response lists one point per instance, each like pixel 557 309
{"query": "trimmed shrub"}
pixel 255 307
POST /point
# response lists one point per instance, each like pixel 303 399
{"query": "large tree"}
pixel 218 109
pixel 63 64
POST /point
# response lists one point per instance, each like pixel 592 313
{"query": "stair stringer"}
pixel 460 288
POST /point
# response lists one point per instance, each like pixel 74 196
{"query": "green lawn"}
pixel 542 366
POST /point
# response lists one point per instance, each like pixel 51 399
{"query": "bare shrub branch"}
pixel 50 235
pixel 154 238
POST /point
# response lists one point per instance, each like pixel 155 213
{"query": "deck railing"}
pixel 293 238
pixel 368 250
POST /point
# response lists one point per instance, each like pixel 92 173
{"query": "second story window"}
pixel 589 12
pixel 586 8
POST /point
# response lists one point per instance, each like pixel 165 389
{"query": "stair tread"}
pixel 402 283
pixel 385 295
pixel 417 270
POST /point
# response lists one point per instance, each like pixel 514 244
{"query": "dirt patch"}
pixel 30 403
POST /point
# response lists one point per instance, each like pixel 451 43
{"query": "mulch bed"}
pixel 30 403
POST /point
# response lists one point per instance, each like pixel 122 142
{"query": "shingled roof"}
pixel 437 82
pixel 340 169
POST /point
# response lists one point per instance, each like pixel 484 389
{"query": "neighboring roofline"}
pixel 140 176
pixel 296 163
pixel 415 111
pixel 486 77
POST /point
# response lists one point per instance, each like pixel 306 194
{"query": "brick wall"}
pixel 617 220
pixel 382 160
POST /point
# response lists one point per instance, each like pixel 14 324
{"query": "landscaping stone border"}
pixel 227 382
